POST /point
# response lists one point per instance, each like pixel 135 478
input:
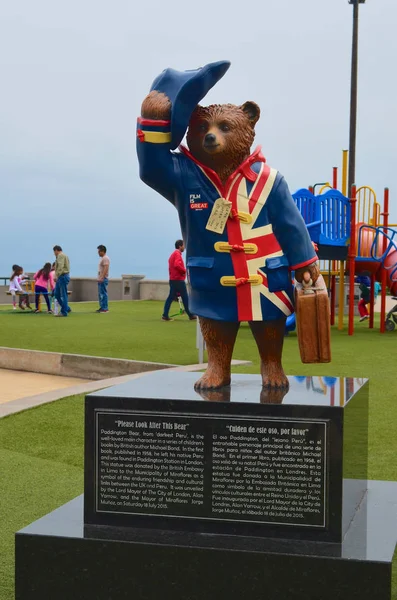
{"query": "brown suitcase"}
pixel 313 322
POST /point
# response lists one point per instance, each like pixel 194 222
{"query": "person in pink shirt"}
pixel 44 279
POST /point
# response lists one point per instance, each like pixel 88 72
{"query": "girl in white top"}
pixel 15 286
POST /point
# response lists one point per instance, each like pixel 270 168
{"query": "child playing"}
pixel 377 290
pixel 15 287
pixel 365 296
pixel 44 279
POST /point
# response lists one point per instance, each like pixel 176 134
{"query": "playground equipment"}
pixel 391 318
pixel 28 285
pixel 353 237
pixel 290 324
pixel 29 289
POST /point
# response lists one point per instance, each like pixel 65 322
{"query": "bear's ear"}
pixel 252 111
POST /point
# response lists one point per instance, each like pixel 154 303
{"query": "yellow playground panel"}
pixel 367 208
pixel 29 286
pixel 329 267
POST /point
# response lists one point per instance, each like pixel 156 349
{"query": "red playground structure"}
pixel 353 237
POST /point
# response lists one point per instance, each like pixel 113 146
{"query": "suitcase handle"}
pixel 308 286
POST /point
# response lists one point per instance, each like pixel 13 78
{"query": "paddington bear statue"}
pixel 242 230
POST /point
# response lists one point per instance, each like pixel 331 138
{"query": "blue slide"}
pixel 290 324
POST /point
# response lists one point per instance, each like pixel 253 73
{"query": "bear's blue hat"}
pixel 185 89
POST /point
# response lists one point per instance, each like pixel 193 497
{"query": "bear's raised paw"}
pixel 156 106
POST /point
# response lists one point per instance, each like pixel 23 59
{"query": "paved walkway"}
pixel 19 384
pixel 71 387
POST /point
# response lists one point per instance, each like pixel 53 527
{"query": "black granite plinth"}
pixel 240 461
pixel 57 558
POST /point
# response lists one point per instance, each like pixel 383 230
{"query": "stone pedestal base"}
pixel 57 558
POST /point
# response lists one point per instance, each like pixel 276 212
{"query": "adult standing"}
pixel 62 278
pixel 103 280
pixel 177 273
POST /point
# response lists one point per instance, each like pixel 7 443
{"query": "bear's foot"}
pixel 212 380
pixel 273 376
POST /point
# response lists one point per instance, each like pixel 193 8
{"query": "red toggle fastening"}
pixel 237 248
pixel 140 135
pixel 241 281
pixel 233 214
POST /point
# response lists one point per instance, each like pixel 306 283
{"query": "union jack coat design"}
pixel 242 274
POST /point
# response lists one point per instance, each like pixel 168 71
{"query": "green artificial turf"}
pixel 41 450
pixel 131 330
pixel 41 467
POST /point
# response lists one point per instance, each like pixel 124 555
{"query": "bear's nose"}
pixel 210 138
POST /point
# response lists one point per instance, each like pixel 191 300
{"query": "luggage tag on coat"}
pixel 219 215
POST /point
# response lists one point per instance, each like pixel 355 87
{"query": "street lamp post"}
pixel 353 97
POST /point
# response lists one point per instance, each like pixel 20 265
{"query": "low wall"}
pixel 4 299
pixel 85 289
pixel 136 287
pixel 153 289
pixel 346 296
pixel 73 365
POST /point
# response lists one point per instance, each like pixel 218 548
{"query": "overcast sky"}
pixel 73 75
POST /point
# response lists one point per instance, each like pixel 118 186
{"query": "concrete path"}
pixel 71 387
pixel 19 384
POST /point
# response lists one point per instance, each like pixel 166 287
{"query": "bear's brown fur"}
pixel 220 137
pixel 233 128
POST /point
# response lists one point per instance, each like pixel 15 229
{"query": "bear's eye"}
pixel 224 127
pixel 202 127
